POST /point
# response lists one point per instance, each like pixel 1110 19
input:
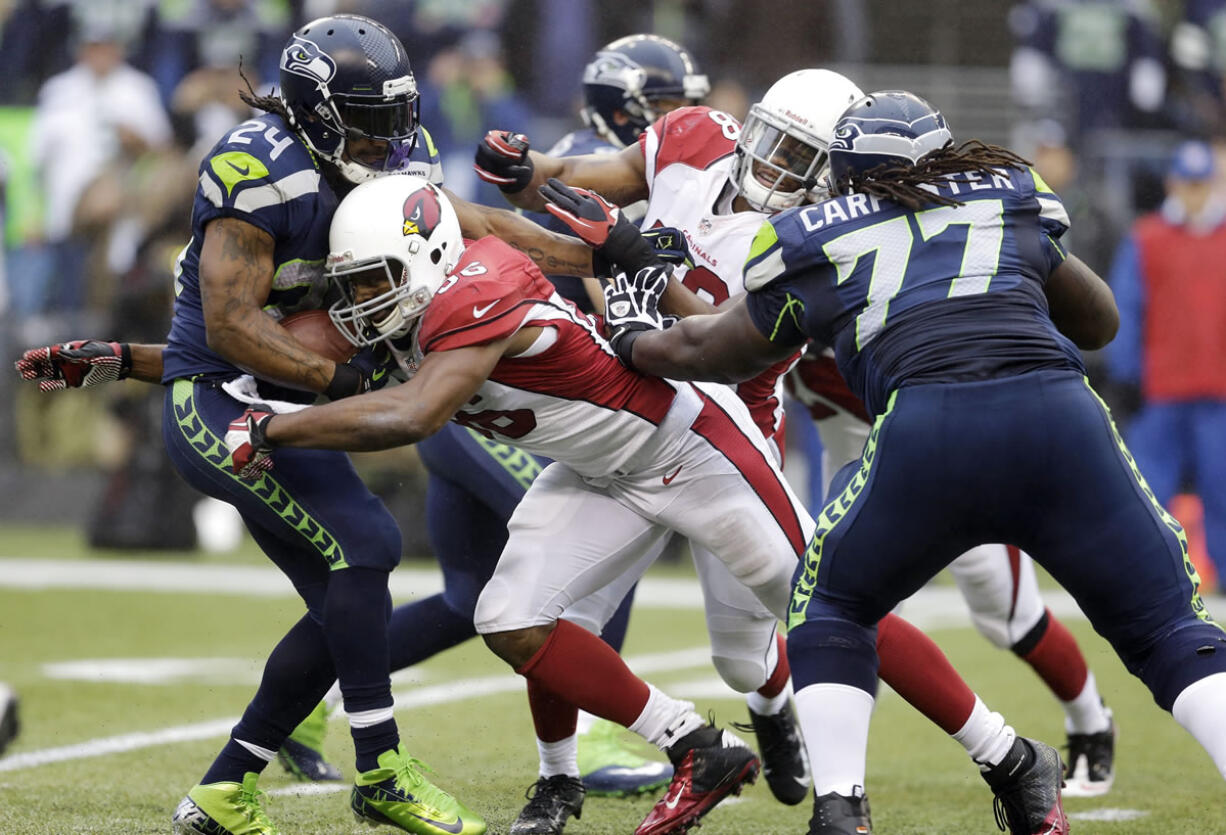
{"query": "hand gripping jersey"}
pixel 943 294
pixel 567 397
pixel 688 156
pixel 262 174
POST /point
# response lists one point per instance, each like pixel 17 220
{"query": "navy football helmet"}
pixel 347 78
pixel 891 127
pixel 631 75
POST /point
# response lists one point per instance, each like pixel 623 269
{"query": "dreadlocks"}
pixel 905 184
pixel 269 103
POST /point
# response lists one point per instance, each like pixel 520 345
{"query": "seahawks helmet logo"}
pixel 422 213
pixel 305 58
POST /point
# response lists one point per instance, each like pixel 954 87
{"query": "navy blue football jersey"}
pixel 262 174
pixel 942 294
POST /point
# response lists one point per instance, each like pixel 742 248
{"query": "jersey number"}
pixel 706 285
pixel 893 241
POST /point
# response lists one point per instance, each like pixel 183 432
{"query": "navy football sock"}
pixel 297 674
pixel 356 612
pixel 422 629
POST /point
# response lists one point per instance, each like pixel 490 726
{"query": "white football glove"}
pixel 632 305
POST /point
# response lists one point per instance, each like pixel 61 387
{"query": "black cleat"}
pixel 1090 768
pixel 837 814
pixel 784 764
pixel 10 725
pixel 551 800
pixel 1027 785
pixel 709 764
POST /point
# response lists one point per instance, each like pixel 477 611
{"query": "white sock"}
pixel 561 757
pixel 264 754
pixel 664 719
pixel 834 723
pixel 332 699
pixel 985 736
pixel 1086 713
pixel 768 706
pixel 1199 709
pixel 586 720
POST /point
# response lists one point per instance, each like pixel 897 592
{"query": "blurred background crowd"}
pixel 106 107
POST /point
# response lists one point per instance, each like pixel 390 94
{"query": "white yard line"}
pixel 931 608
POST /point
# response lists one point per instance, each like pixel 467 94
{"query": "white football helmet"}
pixel 781 153
pixel 393 241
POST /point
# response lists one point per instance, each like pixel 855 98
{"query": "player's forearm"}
pixel 543 167
pixel 146 363
pixel 688 351
pixel 554 253
pixel 374 421
pixel 1081 305
pixel 253 341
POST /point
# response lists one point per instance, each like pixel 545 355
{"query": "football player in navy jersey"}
pixel 346 112
pixel 955 314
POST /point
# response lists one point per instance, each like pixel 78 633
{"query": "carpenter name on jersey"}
pixel 942 294
pixel 262 174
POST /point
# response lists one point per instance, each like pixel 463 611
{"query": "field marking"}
pixel 420 696
pixel 932 607
pixel 1109 815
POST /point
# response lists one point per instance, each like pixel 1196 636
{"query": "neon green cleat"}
pixel 396 794
pixel 302 754
pixel 223 809
pixel 611 769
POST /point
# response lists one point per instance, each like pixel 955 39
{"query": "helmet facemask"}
pixel 779 164
pixel 379 301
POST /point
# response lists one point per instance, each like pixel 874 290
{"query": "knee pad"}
pixel 740 656
pixel 1182 657
pixel 830 649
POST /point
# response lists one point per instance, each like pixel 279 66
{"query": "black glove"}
pixel 376 364
pixel 632 306
pixel 246 438
pixel 77 364
pixel 669 245
pixel 347 380
pixel 601 225
pixel 502 159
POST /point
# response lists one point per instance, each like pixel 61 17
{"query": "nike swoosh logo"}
pixel 378 375
pixel 245 170
pixel 478 312
pixel 668 479
pixel 671 802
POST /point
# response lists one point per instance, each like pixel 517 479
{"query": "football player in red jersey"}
pixel 492 346
pixel 716 182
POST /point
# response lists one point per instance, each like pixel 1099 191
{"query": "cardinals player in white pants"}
pixel 716 183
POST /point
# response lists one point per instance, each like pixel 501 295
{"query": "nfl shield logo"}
pixel 704 226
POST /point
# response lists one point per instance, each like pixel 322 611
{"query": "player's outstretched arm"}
pixel 236 272
pixel 82 363
pixel 1082 306
pixel 396 416
pixel 519 172
pixel 725 347
pixel 552 252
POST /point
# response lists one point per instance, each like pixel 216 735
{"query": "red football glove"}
pixel 77 364
pixel 502 159
pixel 250 452
pixel 619 245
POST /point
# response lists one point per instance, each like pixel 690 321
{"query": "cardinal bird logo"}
pixel 422 213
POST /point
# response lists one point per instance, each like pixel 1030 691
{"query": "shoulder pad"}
pixel 765 261
pixel 486 297
pixel 258 164
pixel 693 136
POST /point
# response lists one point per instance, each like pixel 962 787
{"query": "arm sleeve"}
pixel 1124 352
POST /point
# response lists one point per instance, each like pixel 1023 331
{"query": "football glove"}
pixel 76 364
pixel 632 306
pixel 250 452
pixel 598 223
pixel 502 159
pixel 669 245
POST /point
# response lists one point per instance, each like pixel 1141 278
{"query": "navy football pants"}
pixel 1032 460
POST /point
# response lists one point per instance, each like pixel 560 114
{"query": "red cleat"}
pixel 706 775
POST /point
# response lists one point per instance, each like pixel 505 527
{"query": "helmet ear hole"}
pixel 436 255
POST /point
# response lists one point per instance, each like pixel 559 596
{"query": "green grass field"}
pixel 478 738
